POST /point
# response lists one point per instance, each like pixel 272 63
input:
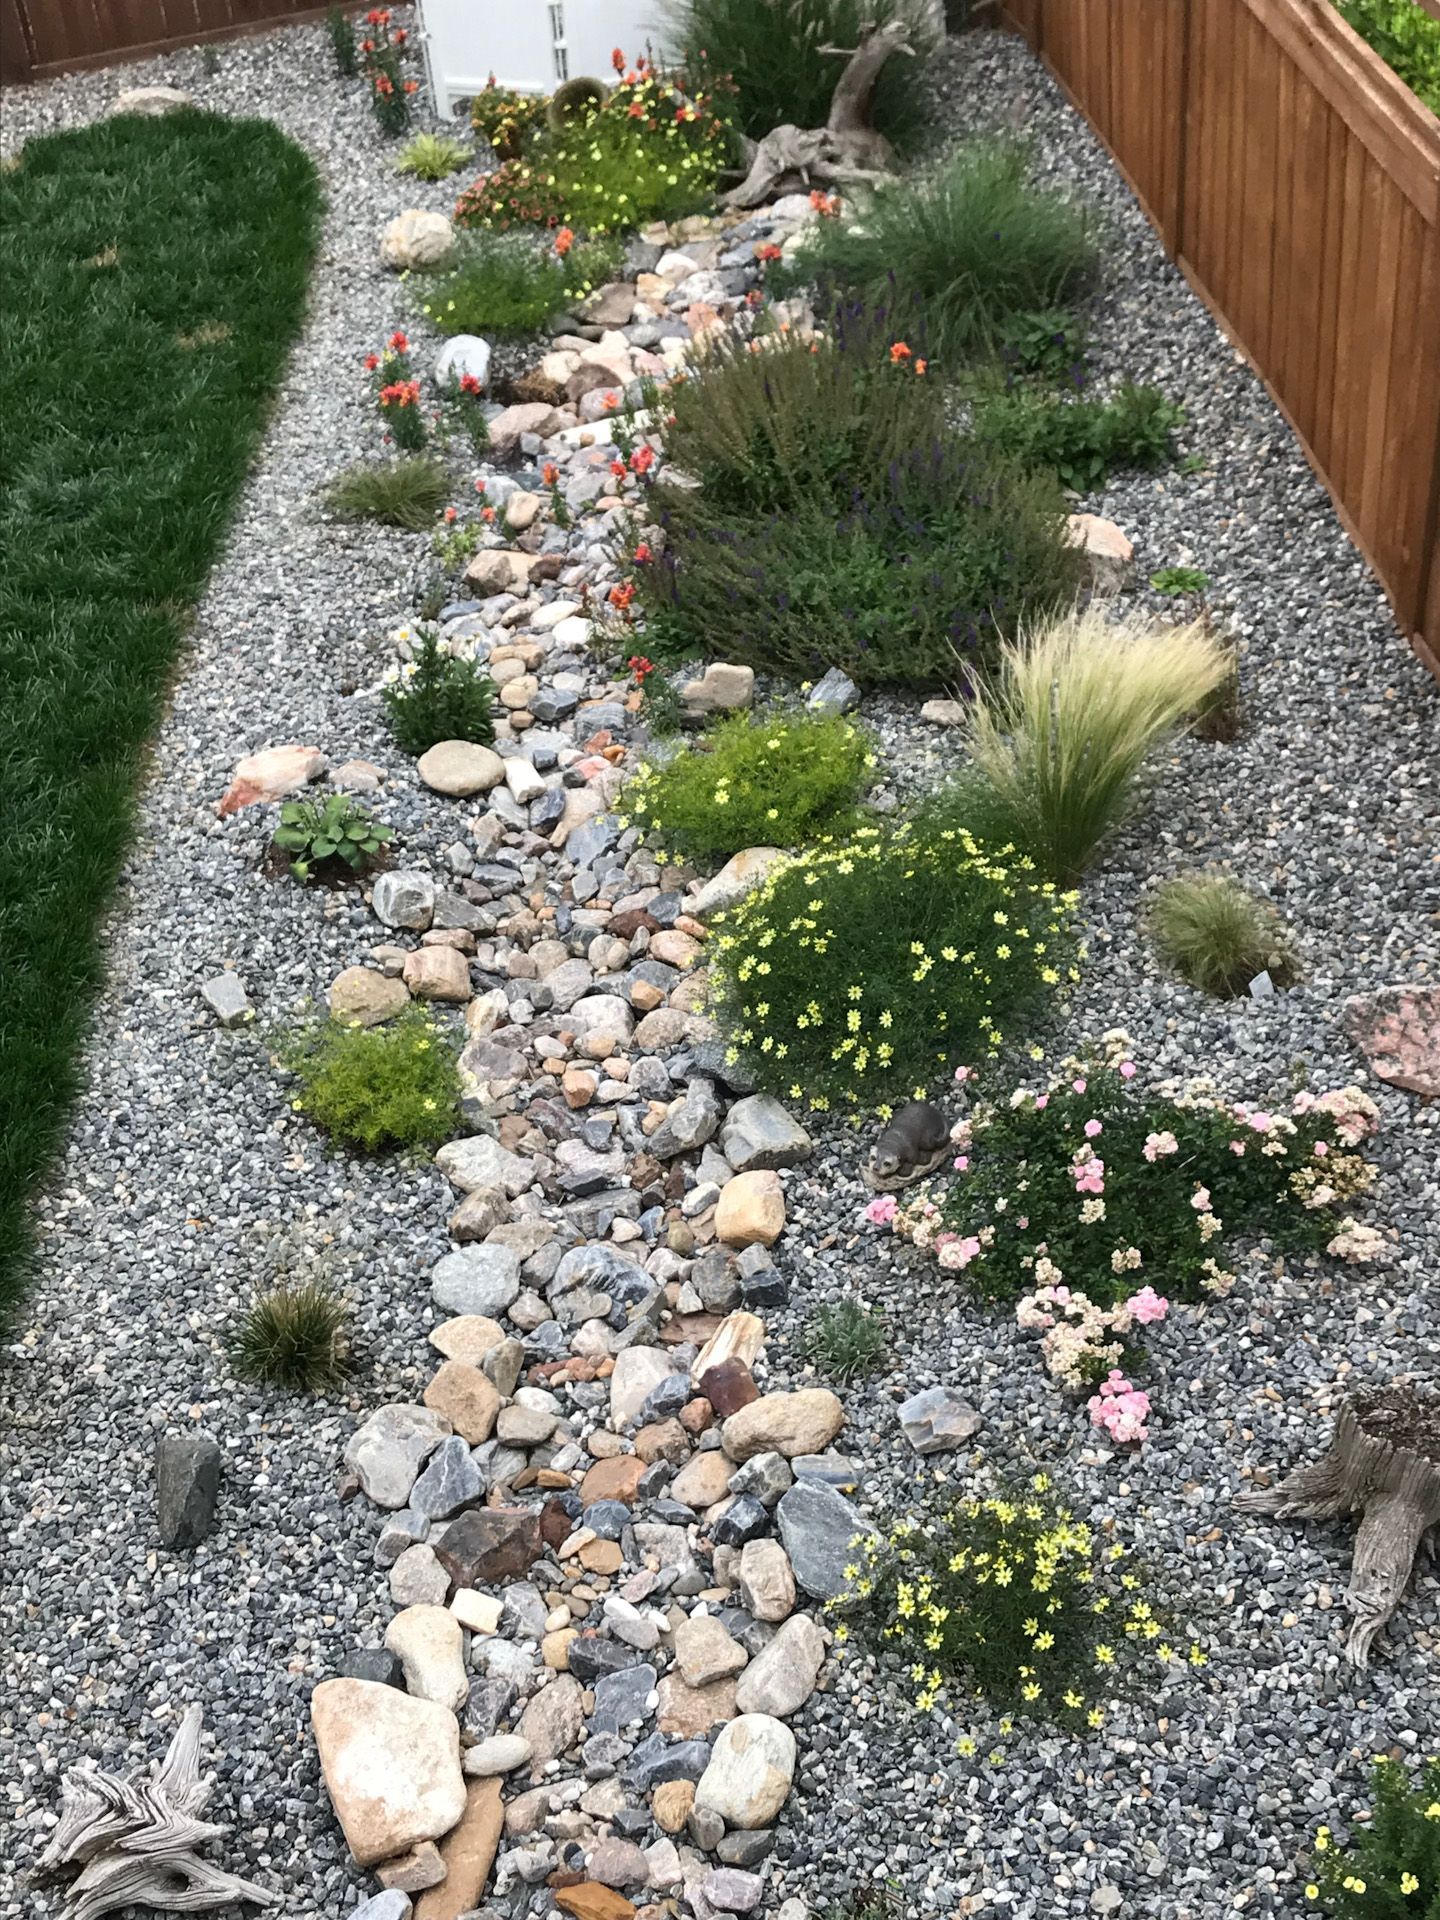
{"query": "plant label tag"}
pixel 1262 987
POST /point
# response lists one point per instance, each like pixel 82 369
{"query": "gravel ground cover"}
pixel 186 1180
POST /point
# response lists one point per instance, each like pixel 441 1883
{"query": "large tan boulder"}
pixel 361 997
pixel 416 238
pixel 391 1766
pixel 785 1423
pixel 751 1210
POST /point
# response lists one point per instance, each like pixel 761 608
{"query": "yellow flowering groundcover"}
pixel 1390 1868
pixel 1011 1600
pixel 853 976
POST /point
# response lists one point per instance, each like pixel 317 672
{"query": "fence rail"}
pixel 39 38
pixel 1296 180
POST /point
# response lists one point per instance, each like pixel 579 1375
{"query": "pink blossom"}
pixel 1238 1146
pixel 1200 1200
pixel 1321 1149
pixel 962 1074
pixel 1120 1408
pixel 1092 1127
pixel 1127 1069
pixel 1042 1100
pixel 882 1210
pixel 962 1163
pixel 1261 1122
pixel 1147 1306
pixel 1078 1085
pixel 1159 1144
pixel 1090 1176
pixel 959 1253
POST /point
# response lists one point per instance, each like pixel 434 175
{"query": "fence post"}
pixel 1182 110
pixel 17 55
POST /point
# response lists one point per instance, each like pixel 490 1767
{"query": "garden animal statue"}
pixel 912 1143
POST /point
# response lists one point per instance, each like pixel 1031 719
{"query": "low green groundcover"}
pixel 155 276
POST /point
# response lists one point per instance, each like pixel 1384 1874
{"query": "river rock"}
pixel 704 1651
pixel 270 775
pixel 767 1583
pixel 751 1210
pixel 741 874
pixel 187 1486
pixel 468 1855
pixel 819 1528
pixel 488 1545
pixel 429 1643
pixel 784 1423
pixel 783 1675
pixel 387 1453
pixel 937 1420
pixel 751 1767
pixel 478 1280
pixel 759 1134
pixel 553 1721
pixel 404 898
pixel 416 238
pixel 361 997
pixel 391 1765
pixel 467 1399
pixel 460 768
pixel 638 1370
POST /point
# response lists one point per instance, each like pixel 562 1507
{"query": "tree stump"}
pixel 134 1837
pixel 846 151
pixel 1383 1463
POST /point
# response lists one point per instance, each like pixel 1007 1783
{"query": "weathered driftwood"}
pixel 134 1838
pixel 1383 1463
pixel 846 151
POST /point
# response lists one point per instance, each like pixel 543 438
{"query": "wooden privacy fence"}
pixel 1296 180
pixel 43 37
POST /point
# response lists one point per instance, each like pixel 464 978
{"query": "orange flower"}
pixel 635 110
pixel 449 514
pixel 399 343
pixel 642 556
pixel 768 252
pixel 622 595
pixel 564 241
pixel 899 352
pixel 617 60
pixel 550 473
pixel 920 366
pixel 372 360
pixel 487 514
pixel 610 401
pixel 617 467
pixel 642 459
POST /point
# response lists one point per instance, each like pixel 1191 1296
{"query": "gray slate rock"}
pixel 938 1420
pixel 759 1134
pixel 227 999
pixel 187 1484
pixel 817 1526
pixel 833 692
pixel 481 1279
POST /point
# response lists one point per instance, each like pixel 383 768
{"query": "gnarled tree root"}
pixel 1383 1463
pixel 134 1838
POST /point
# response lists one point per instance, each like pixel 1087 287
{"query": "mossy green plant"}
pixel 374 1087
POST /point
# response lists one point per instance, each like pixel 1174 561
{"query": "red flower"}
pixel 768 252
pixel 564 241
pixel 635 110
pixel 617 467
pixel 550 473
pixel 487 514
pixel 617 60
pixel 372 360
pixel 479 486
pixel 640 666
pixel 899 352
pixel 920 366
pixel 642 557
pixel 610 401
pixel 449 513
pixel 412 86
pixel 367 46
pixel 382 83
pixel 469 383
pixel 642 459
pixel 400 36
pixel 620 596
pixel 399 343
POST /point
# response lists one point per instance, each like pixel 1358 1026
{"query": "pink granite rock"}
pixel 1398 1031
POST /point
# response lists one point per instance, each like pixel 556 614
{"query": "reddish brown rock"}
pixel 490 1545
pixel 271 775
pixel 468 1853
pixel 693 1711
pixel 729 1387
pixel 590 1901
pixel 617 1479
pixel 698 1415
pixel 662 1440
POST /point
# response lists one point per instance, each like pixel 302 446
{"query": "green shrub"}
pixel 773 55
pixel 1048 344
pixel 400 493
pixel 852 976
pixel 1217 936
pixel 388 1086
pixel 767 428
pixel 611 170
pixel 1179 583
pixel 341 30
pixel 1008 1600
pixel 437 696
pixel 335 828
pixel 1407 39
pixel 846 1340
pixel 505 283
pixel 433 156
pixel 775 780
pixel 293 1336
pixel 1058 740
pixel 910 579
pixel 1390 1868
pixel 1094 1183
pixel 971 246
pixel 1080 440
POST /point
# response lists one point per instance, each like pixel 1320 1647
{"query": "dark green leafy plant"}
pixel 1011 1601
pixel 1048 345
pixel 753 780
pixel 1407 39
pixel 773 54
pixel 372 1087
pixel 1217 936
pixel 506 284
pixel 335 828
pixel 341 30
pixel 909 578
pixel 293 1336
pixel 846 1340
pixel 408 492
pixel 1389 1869
pixel 438 696
pixel 1095 1183
pixel 853 976
pixel 1180 582
pixel 155 277
pixel 971 245
pixel 1080 440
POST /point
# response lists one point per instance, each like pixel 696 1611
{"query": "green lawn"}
pixel 152 278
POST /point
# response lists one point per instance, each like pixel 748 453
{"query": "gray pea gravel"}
pixel 185 1182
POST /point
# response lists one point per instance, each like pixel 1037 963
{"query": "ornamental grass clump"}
pixel 1080 1198
pixel 650 150
pixel 783 60
pixel 774 779
pixel 856 974
pixel 1389 1869
pixel 1217 936
pixel 438 696
pixel 1013 1602
pixel 973 244
pixel 407 492
pixel 293 1336
pixel 845 1340
pixel 432 156
pixel 506 284
pixel 373 1087
pixel 1058 738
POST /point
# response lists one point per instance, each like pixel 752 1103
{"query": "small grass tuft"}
pixel 293 1336
pixel 1217 936
pixel 399 493
pixel 846 1340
